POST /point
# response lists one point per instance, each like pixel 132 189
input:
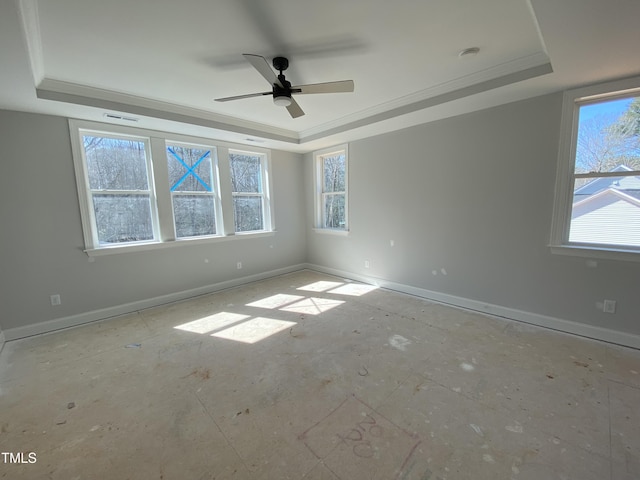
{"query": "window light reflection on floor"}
pixel 275 301
pixel 320 286
pixel 254 330
pixel 312 305
pixel 296 303
pixel 248 329
pixel 212 322
pixel 354 289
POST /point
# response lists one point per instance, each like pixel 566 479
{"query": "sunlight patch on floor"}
pixel 254 330
pixel 249 329
pixel 211 322
pixel 320 286
pixel 275 301
pixel 354 289
pixel 312 306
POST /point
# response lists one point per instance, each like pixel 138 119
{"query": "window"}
pixel 597 208
pixel 119 188
pixel 331 189
pixel 247 190
pixel 140 189
pixel 192 183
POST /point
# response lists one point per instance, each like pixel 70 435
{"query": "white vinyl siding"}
pixel 609 220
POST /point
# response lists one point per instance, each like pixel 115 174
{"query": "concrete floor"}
pixel 307 376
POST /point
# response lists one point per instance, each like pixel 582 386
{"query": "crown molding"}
pixel 501 75
pixel 47 88
pixel 28 13
pixel 61 91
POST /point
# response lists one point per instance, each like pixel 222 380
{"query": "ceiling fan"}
pixel 282 89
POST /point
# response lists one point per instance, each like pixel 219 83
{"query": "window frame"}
pixel 264 194
pixel 320 194
pixel 161 199
pixel 565 177
pixel 215 194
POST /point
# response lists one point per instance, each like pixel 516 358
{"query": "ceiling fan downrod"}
pixel 281 94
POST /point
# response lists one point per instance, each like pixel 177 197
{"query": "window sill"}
pixel 332 231
pixel 596 252
pixel 145 247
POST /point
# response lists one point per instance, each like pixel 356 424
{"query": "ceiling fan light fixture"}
pixel 282 100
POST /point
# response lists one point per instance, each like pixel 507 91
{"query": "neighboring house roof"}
pixel 609 217
pixel 593 200
pixel 630 185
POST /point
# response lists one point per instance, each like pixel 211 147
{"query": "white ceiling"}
pixel 163 62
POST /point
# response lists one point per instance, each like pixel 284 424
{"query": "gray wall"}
pixel 41 234
pixel 473 195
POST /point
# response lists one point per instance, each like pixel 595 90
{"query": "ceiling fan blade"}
pixel 240 97
pixel 294 109
pixel 263 68
pixel 343 86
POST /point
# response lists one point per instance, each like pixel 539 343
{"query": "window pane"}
pixel 334 211
pixel 123 218
pixel 189 169
pixel 608 136
pixel 248 213
pixel 606 210
pixel 246 176
pixel 115 163
pixel 194 215
pixel 334 173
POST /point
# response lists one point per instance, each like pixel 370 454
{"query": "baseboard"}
pixel 104 313
pixel 566 326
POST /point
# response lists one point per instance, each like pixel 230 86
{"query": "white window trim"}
pixel 561 220
pixel 179 243
pixel 162 207
pixel 85 195
pixel 267 209
pixel 217 199
pixel 318 155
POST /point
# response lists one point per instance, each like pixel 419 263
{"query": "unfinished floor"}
pixel 307 376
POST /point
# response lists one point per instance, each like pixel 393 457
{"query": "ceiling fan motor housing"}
pixel 280 64
pixel 281 94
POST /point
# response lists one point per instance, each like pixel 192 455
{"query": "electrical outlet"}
pixel 55 300
pixel 609 306
pixel 239 265
pixel 366 264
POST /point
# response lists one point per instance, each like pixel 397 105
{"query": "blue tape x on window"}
pixel 190 170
